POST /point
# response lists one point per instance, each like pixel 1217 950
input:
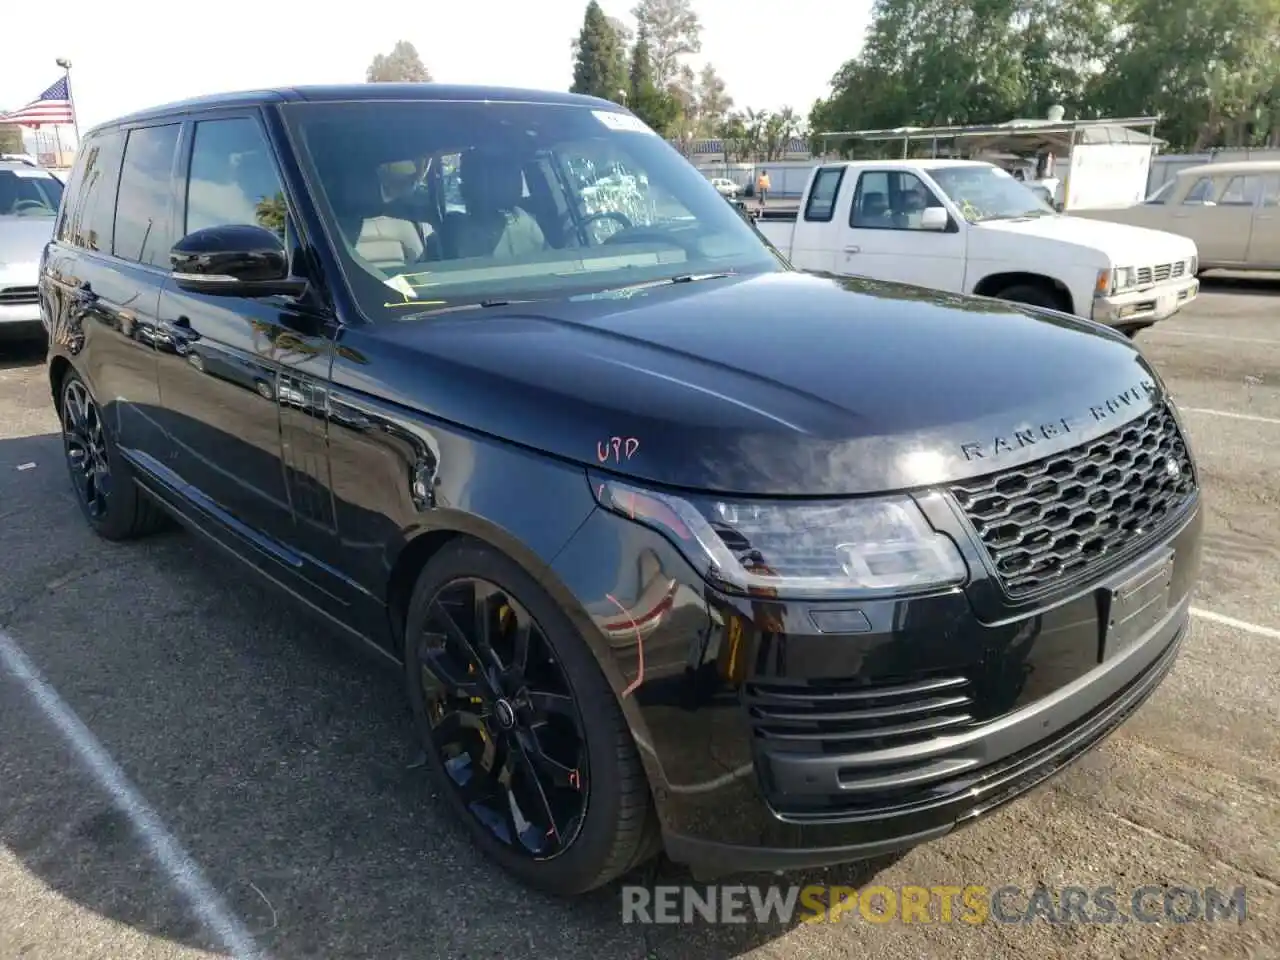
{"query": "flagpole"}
pixel 65 64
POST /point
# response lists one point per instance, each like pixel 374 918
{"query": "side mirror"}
pixel 934 218
pixel 240 260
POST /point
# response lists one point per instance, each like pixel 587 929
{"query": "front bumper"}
pixel 1145 306
pixel 19 301
pixel 773 740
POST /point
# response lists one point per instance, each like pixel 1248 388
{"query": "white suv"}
pixel 29 198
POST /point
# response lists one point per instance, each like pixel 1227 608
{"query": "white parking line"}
pixel 1226 621
pixel 183 871
pixel 1254 418
pixel 1215 336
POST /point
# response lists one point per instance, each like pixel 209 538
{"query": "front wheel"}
pixel 1033 296
pixel 522 732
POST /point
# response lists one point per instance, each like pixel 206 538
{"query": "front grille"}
pixel 1051 520
pixel 846 716
pixel 12 296
pixel 1160 272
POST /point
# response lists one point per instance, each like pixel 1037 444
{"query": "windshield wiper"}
pixel 670 281
pixel 459 307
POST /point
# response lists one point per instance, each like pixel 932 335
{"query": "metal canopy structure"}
pixel 1013 136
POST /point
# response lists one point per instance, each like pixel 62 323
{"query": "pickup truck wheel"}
pixel 522 732
pixel 115 506
pixel 1033 296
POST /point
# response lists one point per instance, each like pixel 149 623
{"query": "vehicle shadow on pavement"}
pixel 279 757
pixel 1248 284
pixel 18 352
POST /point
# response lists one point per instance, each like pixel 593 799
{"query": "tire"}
pixel 1033 296
pixel 618 829
pixel 123 511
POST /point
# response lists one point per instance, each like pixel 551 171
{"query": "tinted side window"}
pixel 1241 192
pixel 94 217
pixel 822 198
pixel 143 226
pixel 233 178
pixel 74 193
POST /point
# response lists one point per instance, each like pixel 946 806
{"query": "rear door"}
pixel 883 237
pixel 1264 241
pixel 103 289
pixel 1217 213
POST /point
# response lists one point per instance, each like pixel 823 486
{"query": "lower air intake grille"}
pixel 1053 519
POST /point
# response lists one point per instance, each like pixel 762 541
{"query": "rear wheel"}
pixel 110 500
pixel 1034 296
pixel 521 730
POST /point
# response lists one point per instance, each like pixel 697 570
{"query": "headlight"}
pixel 1193 265
pixel 780 549
pixel 1124 278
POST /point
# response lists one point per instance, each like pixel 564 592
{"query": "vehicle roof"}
pixel 925 162
pixel 1231 166
pixel 361 91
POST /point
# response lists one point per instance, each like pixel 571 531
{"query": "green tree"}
pixel 11 138
pixel 1212 71
pixel 652 104
pixel 599 68
pixel 401 65
pixel 674 32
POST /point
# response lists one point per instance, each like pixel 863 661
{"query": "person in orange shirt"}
pixel 762 186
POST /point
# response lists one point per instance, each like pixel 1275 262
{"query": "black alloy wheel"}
pixel 523 734
pixel 85 441
pixel 115 506
pixel 503 717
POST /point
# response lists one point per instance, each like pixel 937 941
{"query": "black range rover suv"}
pixel 676 547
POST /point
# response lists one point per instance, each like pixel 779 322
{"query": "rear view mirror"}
pixel 240 260
pixel 934 218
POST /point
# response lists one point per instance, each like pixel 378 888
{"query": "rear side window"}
pixel 1200 194
pixel 1241 192
pixel 233 178
pixel 92 219
pixel 144 227
pixel 821 206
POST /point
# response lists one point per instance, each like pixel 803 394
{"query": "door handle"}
pixel 852 249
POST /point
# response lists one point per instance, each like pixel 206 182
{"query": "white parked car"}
pixel 968 227
pixel 29 198
pixel 1231 210
pixel 726 187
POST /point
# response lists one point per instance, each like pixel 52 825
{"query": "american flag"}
pixel 52 106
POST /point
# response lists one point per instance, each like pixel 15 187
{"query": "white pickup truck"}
pixel 969 227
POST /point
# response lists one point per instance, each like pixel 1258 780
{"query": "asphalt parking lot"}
pixel 272 769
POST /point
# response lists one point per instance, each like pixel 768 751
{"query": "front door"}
pixel 884 238
pixel 243 392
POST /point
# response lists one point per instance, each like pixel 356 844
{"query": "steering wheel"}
pixel 620 218
pixel 652 235
pixel 29 204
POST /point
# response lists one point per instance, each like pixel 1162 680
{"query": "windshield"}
pixel 435 204
pixel 988 193
pixel 29 192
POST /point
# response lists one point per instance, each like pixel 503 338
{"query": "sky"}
pixel 131 54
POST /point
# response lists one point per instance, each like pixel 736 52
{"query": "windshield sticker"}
pixel 623 122
pixel 34 174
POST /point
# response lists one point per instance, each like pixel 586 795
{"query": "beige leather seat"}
pixel 389 242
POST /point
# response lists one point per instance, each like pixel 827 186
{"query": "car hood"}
pixel 22 240
pixel 779 384
pixel 1099 242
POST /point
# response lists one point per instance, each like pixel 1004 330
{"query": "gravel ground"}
pixel 275 762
